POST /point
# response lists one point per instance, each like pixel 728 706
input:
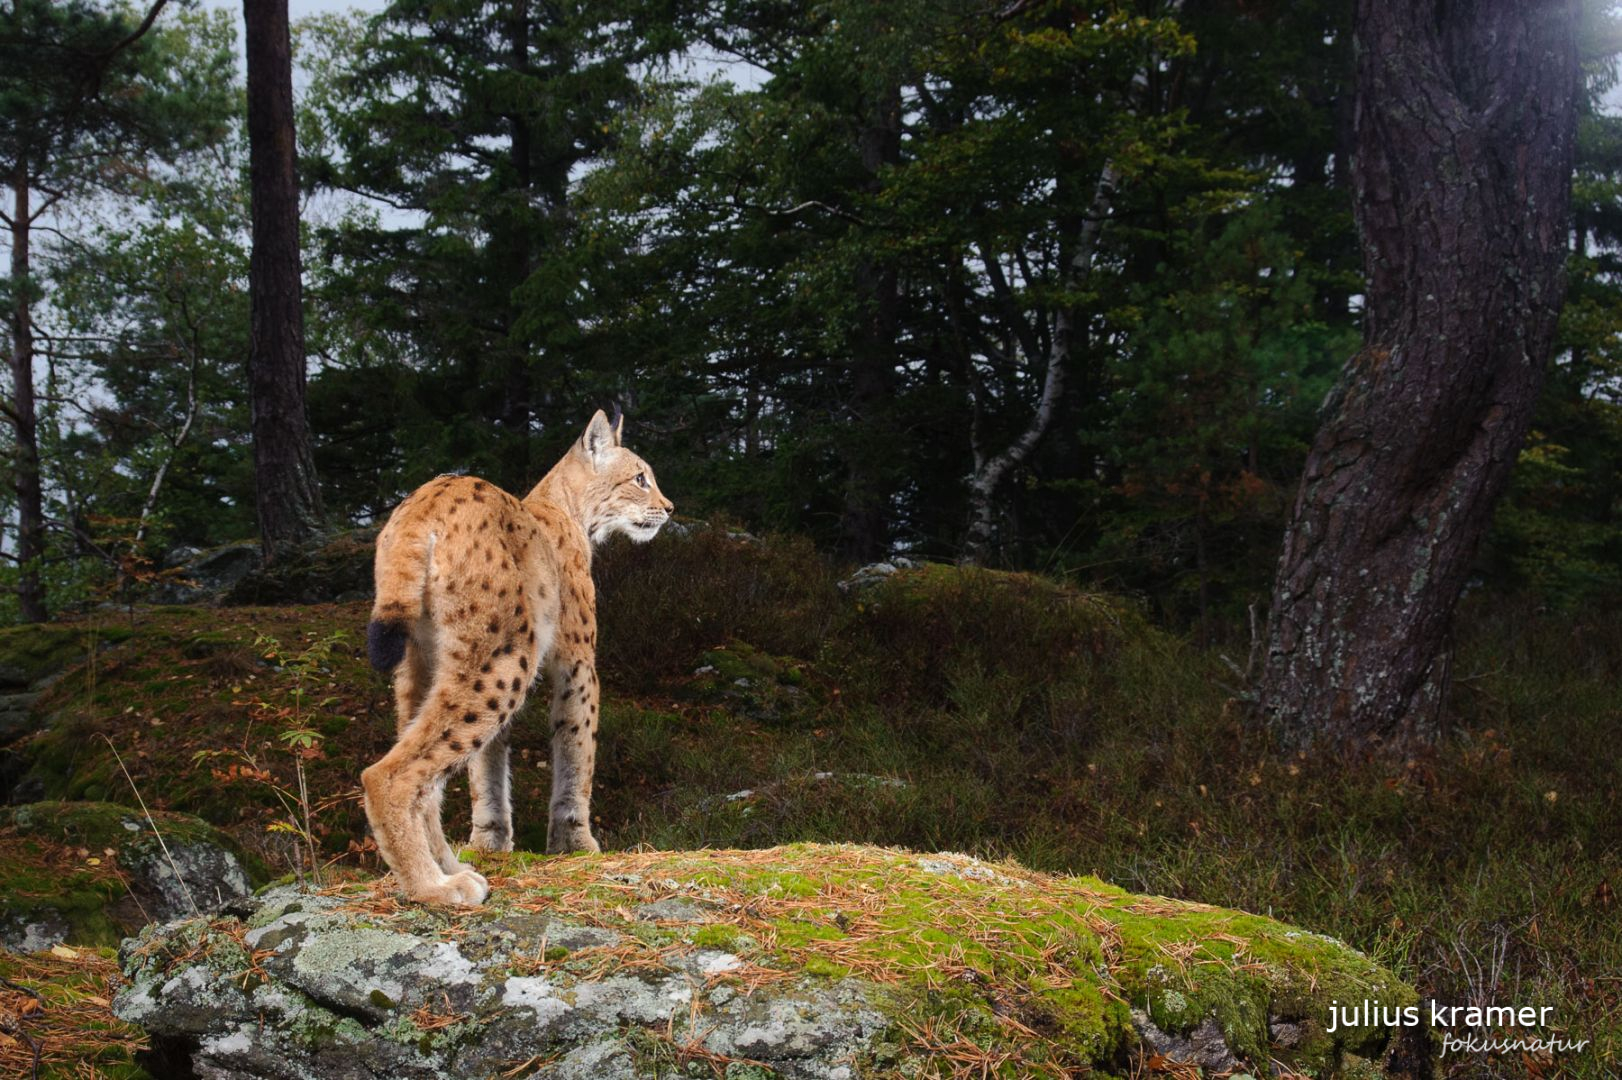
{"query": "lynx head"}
pixel 617 491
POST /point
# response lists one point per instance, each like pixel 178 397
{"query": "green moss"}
pixel 717 936
pixel 796 933
pixel 43 874
pixel 28 653
pixel 817 965
pixel 754 682
pixel 985 952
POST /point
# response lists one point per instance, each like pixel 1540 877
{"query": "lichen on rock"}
pixel 805 961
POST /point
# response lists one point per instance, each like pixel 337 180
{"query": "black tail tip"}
pixel 385 643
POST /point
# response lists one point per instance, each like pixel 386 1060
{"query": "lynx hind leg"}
pixel 433 826
pixel 406 785
pixel 489 779
pixel 412 678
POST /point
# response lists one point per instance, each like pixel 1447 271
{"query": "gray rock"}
pixel 17 716
pixel 1203 1046
pixel 203 575
pixel 20 934
pixel 868 576
pixel 186 869
pixel 335 992
pixel 673 909
pixel 602 969
pixel 208 876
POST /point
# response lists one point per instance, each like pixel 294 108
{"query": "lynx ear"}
pixel 617 423
pixel 598 440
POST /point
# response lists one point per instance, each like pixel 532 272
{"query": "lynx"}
pixel 478 595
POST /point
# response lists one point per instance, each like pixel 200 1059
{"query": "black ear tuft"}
pixel 616 423
pixel 385 643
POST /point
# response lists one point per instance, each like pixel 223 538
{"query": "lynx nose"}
pixel 666 505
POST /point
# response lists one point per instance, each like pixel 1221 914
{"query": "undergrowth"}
pixel 750 703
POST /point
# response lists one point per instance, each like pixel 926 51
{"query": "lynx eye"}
pixel 642 479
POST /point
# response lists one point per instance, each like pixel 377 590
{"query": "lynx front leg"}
pixel 574 741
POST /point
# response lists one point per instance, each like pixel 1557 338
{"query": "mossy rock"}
pixel 90 873
pixel 335 569
pixel 35 651
pixel 755 683
pixel 918 633
pixel 801 961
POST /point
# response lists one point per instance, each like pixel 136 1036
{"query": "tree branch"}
pixel 139 32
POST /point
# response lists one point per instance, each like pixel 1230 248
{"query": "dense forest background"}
pixel 1049 285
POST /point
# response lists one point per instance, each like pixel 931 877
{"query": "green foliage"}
pixel 128 140
pixel 469 121
pixel 301 739
pixel 825 274
pixel 1212 413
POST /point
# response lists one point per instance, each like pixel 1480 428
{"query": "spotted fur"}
pixel 484 593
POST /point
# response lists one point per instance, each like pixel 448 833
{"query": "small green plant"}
pixel 296 712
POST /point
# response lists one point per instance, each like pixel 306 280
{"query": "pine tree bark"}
pixel 287 496
pixel 21 413
pixel 870 449
pixel 1464 132
pixel 516 406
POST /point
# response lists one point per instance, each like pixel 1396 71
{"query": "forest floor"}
pixel 750 702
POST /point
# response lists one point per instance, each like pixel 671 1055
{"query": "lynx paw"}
pixel 564 841
pixel 491 840
pixel 465 889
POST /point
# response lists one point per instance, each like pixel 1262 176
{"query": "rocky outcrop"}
pixel 800 962
pixel 333 569
pixel 89 873
pixel 336 569
pixel 193 576
pixel 866 577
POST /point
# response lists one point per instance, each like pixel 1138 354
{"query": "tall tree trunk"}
pixel 1465 121
pixel 864 527
pixel 516 406
pixel 30 500
pixel 288 498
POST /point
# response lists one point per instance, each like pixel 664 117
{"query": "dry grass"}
pixel 56 1016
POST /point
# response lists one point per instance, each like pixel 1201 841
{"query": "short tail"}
pixel 401 573
pixel 386 642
